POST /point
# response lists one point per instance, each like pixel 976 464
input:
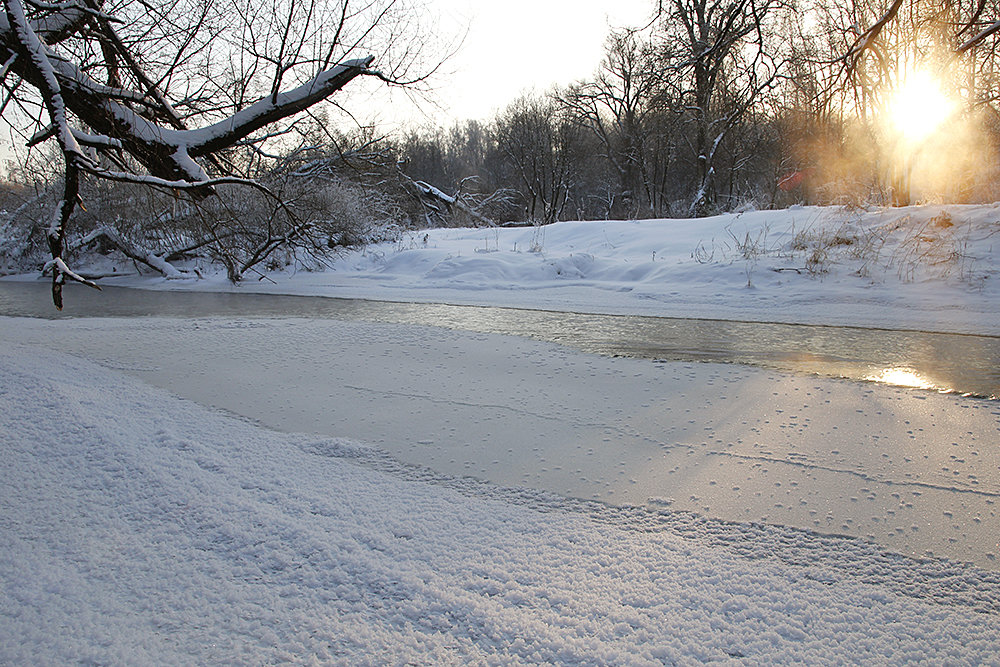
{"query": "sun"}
pixel 919 107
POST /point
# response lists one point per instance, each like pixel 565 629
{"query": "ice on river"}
pixel 915 472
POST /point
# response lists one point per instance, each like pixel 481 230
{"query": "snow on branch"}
pixel 868 37
pixel 82 138
pixel 273 108
pixel 152 260
pixel 67 6
pixel 57 265
pixel 136 119
pixel 431 191
pixel 167 152
pixel 36 57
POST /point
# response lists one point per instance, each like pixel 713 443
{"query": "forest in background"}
pixel 718 105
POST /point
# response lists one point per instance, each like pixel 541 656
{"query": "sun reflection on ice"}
pixel 903 377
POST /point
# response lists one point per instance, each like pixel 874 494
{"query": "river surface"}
pixel 435 386
pixel 958 363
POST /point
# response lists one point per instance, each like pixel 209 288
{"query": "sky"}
pixel 514 46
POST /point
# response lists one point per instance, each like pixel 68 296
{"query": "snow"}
pixel 141 528
pixel 258 490
pixel 241 123
pixel 929 267
pixel 429 189
pixel 17 23
pixel 59 264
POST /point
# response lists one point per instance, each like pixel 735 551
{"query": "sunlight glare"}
pixel 901 377
pixel 920 106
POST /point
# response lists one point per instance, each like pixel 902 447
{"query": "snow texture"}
pixel 142 529
pixel 149 516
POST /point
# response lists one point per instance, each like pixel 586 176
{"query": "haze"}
pixel 519 45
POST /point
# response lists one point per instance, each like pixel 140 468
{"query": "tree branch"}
pixel 271 109
pixel 978 37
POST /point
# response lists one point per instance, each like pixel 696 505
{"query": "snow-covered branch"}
pixel 273 108
pixel 868 37
pixel 114 112
pixel 58 266
pixel 156 262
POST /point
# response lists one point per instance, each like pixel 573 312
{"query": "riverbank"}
pixel 930 268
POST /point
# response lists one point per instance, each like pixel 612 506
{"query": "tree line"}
pixel 722 104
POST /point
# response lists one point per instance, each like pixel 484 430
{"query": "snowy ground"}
pixel 143 529
pixel 929 267
pixel 140 526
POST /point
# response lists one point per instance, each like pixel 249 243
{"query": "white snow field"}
pixel 139 528
pixel 250 490
pixel 920 267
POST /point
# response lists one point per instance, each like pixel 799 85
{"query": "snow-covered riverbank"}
pixel 916 472
pixel 932 268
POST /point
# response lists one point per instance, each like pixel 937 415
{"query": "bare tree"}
pixel 163 93
pixel 622 106
pixel 716 49
pixel 850 61
pixel 535 144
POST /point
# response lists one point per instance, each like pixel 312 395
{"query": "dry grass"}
pixel 911 247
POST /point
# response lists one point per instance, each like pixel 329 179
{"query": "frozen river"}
pixel 959 363
pixel 915 471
